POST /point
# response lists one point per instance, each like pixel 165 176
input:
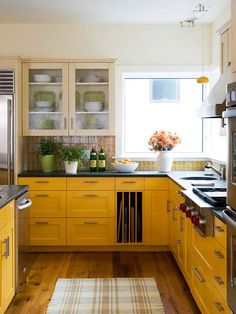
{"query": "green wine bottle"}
pixel 93 160
pixel 102 160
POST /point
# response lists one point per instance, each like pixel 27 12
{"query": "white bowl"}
pixel 92 106
pixel 125 167
pixel 92 78
pixel 42 78
pixel 43 104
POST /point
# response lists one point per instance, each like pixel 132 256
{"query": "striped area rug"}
pixel 106 295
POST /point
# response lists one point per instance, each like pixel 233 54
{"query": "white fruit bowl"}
pixel 93 106
pixel 125 167
pixel 42 78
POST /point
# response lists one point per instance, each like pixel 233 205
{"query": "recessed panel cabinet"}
pixel 68 98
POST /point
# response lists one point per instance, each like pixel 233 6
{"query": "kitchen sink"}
pixel 202 178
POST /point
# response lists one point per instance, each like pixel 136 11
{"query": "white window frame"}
pixel 148 71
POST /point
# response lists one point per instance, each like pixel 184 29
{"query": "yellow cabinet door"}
pixel 48 204
pixel 47 231
pixel 90 184
pixel 90 203
pixel 156 184
pixel 220 269
pixel 220 304
pixel 8 263
pixel 181 240
pixel 7 213
pixel 44 183
pixel 129 184
pixel 188 261
pixel 90 231
pixel 155 218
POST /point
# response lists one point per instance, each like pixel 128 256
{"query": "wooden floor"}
pixel 35 294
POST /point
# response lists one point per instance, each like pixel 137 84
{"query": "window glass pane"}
pixel 165 90
pixel 142 117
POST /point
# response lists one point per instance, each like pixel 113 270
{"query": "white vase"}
pixel 71 167
pixel 165 159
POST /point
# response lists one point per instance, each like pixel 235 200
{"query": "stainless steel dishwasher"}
pixel 23 204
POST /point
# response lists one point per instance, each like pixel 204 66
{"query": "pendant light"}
pixel 202 79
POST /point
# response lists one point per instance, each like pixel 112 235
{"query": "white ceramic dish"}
pixel 125 167
pixel 92 106
pixel 43 104
pixel 92 78
pixel 42 78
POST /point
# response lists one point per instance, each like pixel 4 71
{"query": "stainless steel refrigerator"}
pixel 7 126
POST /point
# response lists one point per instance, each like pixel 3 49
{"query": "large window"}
pixel 152 104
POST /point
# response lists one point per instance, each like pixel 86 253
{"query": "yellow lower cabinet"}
pixel 90 231
pixel 201 287
pixel 7 263
pixel 47 231
pixel 48 204
pixel 44 183
pixel 219 304
pixel 90 203
pixel 188 261
pixel 220 269
pixel 155 218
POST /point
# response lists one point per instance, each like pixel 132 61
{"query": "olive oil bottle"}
pixel 93 160
pixel 102 160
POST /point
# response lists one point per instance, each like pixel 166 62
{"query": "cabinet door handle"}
pixel 90 222
pixel 7 244
pixel 41 195
pixel 42 182
pixel 219 280
pixel 41 222
pixel 173 214
pixel 218 254
pixel 219 229
pixel 196 272
pixel 90 181
pixel 218 306
pixel 90 195
pixel 65 123
pixel 129 182
pixel 181 225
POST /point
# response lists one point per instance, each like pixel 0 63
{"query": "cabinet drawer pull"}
pixel 41 181
pixel 218 254
pixel 196 272
pixel 90 195
pixel 219 307
pixel 41 222
pixel 181 224
pixel 219 229
pixel 90 222
pixel 7 250
pixel 219 280
pixel 90 181
pixel 41 195
pixel 129 182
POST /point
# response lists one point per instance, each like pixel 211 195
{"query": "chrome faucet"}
pixel 220 172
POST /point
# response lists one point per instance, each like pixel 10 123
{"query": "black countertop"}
pixel 11 192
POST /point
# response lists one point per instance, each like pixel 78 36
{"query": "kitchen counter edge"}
pixel 11 192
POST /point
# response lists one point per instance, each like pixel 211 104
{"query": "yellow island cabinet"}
pixel 129 213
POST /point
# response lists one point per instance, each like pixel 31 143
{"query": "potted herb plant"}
pixel 47 148
pixel 73 158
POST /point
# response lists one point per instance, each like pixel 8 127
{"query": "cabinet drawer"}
pixel 220 305
pixel 156 184
pixel 44 183
pixel 47 231
pixel 220 269
pixel 6 213
pixel 220 232
pixel 90 183
pixel 48 204
pixel 90 231
pixel 129 184
pixel 90 203
pixel 203 250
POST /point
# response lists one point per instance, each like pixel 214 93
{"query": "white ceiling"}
pixel 106 11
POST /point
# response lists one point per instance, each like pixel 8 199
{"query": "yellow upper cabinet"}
pixel 68 98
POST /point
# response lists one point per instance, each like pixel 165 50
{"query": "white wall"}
pixel 132 44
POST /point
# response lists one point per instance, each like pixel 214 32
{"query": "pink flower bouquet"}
pixel 163 141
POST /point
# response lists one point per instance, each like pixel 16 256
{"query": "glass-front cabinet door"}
pixel 91 98
pixel 45 98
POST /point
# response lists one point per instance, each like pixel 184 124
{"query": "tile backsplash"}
pixel 32 161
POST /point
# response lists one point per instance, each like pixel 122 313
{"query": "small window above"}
pixel 165 90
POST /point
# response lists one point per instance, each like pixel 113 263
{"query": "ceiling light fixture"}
pixel 202 9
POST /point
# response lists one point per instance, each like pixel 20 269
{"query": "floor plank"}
pixel 46 268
